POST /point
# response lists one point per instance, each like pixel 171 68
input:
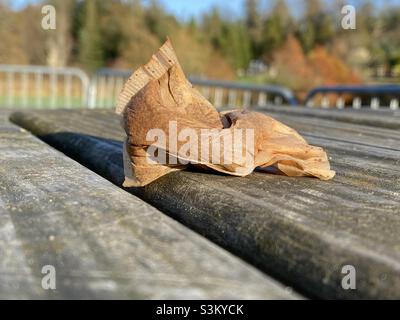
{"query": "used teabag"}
pixel 169 124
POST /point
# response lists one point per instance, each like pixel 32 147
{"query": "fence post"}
pixel 92 93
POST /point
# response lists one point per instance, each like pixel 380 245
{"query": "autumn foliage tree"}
pixel 297 50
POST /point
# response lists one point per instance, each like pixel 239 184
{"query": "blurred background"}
pixel 298 44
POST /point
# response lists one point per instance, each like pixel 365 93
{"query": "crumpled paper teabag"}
pixel 158 95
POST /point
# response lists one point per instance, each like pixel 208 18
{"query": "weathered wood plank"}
pixel 389 119
pixel 301 230
pixel 103 242
pixel 334 130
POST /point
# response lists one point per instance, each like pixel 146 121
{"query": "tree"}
pixel 312 8
pixel 306 35
pixel 281 10
pixel 229 38
pixel 365 18
pixel 11 46
pixel 324 28
pixel 274 34
pixel 91 50
pixel 276 27
pixel 21 34
pixel 127 40
pixel 158 21
pixel 212 28
pixel 239 44
pixel 254 26
pixel 316 27
pixel 59 42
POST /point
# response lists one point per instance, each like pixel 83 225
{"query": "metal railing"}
pixel 357 97
pixel 105 87
pixel 107 83
pixel 45 87
pixel 39 86
pixel 232 94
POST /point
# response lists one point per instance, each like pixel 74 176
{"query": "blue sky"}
pixel 185 9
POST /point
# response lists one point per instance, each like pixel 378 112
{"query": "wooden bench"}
pixel 301 231
pixel 384 118
pixel 102 241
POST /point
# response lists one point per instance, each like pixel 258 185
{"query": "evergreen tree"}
pixel 276 27
pixel 316 27
pixel 306 35
pixel 324 30
pixel 281 10
pixel 312 8
pixel 158 21
pixel 273 35
pixel 365 18
pixel 91 49
pixel 213 28
pixel 254 26
pixel 239 44
pixel 228 37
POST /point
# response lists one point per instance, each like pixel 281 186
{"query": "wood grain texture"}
pixel 342 131
pixel 103 241
pixel 300 230
pixel 382 118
